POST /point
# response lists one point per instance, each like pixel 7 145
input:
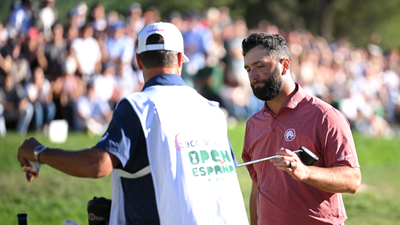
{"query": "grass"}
pixel 51 198
pixel 54 197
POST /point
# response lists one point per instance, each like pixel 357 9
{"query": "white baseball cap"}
pixel 173 40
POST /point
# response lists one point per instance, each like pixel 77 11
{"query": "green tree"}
pixel 354 20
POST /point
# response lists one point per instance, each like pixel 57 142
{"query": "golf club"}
pixel 306 156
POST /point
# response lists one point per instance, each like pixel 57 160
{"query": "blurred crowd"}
pixel 80 70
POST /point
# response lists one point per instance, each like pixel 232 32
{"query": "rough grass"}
pixel 54 197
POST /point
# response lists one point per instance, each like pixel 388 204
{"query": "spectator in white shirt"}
pixel 87 52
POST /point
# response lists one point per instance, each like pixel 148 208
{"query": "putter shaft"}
pixel 264 159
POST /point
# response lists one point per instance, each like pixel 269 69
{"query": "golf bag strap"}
pixel 143 172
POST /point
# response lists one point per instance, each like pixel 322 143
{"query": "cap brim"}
pixel 185 58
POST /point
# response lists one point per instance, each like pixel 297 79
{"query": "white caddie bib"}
pixel 191 164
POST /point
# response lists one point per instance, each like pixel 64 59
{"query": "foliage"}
pixel 354 20
pixel 357 19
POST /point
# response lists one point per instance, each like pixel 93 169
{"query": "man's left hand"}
pixel 291 163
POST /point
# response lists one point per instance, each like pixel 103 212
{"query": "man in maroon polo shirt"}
pixel 285 191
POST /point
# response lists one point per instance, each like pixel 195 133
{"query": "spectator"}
pixel 209 80
pixel 124 84
pixel 73 17
pixel 71 33
pixel 175 17
pixel 237 94
pixel 40 94
pixel 391 80
pixel 105 84
pixel 81 9
pixel 112 18
pixel 3 35
pixel 55 52
pixel 16 65
pixel 135 20
pixel 134 24
pixel 98 20
pixel 87 52
pixel 95 113
pixel 224 18
pixel 33 49
pixel 152 15
pixel 21 18
pixel 14 106
pixel 47 18
pixel 67 90
pixel 120 49
pixel 198 40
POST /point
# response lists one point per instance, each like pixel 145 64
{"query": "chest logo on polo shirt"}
pixel 290 134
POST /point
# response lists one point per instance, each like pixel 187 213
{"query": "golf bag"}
pixel 99 211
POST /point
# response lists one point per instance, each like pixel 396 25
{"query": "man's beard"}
pixel 271 89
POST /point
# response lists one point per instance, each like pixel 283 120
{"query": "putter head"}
pixel 307 156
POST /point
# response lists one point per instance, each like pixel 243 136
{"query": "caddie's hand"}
pixel 291 163
pixel 25 151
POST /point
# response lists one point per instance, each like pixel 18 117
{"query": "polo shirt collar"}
pixel 293 101
pixel 296 98
pixel 165 80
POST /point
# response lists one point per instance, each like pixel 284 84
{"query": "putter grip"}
pixel 22 219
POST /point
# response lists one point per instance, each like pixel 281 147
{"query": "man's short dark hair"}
pixel 158 58
pixel 274 43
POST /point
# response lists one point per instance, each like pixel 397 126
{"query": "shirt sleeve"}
pixel 122 135
pixel 339 144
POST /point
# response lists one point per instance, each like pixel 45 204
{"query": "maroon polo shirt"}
pixel 307 121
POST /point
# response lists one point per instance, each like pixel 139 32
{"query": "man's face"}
pixel 264 74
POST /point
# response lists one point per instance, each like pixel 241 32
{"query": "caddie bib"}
pixel 191 163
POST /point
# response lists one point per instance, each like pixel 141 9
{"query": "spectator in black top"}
pixel 14 105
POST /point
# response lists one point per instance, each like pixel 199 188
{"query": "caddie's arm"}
pixel 93 162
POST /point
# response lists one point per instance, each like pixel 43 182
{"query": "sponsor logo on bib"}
pixel 205 157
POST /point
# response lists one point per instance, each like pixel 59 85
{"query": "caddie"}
pixel 167 147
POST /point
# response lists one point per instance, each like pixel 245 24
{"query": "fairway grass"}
pixel 54 197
